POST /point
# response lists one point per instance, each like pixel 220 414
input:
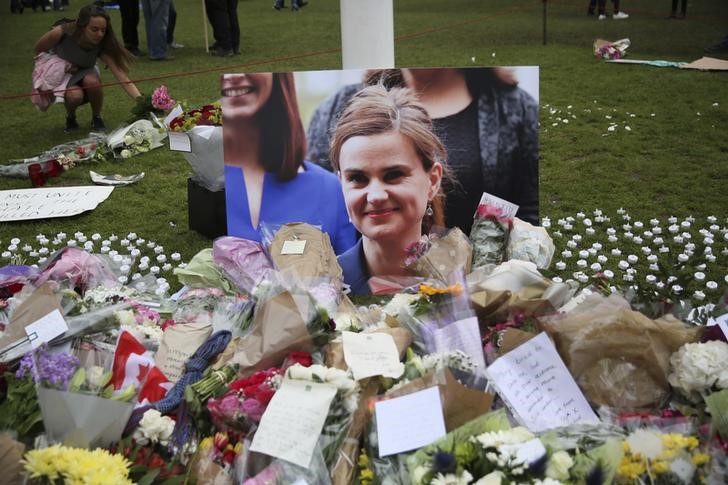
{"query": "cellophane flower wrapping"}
pixel 206 157
pixel 138 137
pixel 530 243
pixel 490 231
pixel 243 261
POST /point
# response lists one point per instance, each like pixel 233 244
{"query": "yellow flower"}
pixel 455 289
pixel 660 467
pixel 625 446
pixel 700 458
pixel 206 443
pixel 363 460
pixel 238 447
pixel 631 469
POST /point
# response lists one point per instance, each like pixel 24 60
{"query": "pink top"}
pixel 50 75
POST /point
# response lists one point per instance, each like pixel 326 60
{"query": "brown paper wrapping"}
pixel 207 472
pixel 460 404
pixel 11 452
pixel 619 357
pixel 446 254
pixel 179 343
pixel 335 350
pixel 277 329
pixel 345 467
pixel 318 258
pixel 512 338
pixel 39 304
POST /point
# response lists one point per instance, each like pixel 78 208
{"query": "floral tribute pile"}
pixel 247 365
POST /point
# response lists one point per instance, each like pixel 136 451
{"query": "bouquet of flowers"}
pixel 66 155
pixel 203 126
pixel 139 137
pixel 158 103
pixel 491 226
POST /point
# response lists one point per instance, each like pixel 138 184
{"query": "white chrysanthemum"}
pixel 512 436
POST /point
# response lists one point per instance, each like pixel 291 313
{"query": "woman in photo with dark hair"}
pixel 391 165
pixel 80 44
pixel 266 177
pixel 488 125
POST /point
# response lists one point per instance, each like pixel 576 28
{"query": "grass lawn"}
pixel 673 159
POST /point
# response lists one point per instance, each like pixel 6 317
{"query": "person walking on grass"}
pixel 602 7
pixel 81 43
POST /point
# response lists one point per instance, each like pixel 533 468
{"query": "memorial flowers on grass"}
pixel 207 115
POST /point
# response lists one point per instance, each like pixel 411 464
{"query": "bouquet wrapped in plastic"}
pixel 490 231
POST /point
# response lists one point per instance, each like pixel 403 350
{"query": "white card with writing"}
pixel 509 209
pixel 293 420
pixel 47 202
pixel 462 335
pixel 179 142
pixel 535 383
pixel 46 328
pixel 371 354
pixel 409 422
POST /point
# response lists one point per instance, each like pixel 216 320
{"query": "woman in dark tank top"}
pixel 81 43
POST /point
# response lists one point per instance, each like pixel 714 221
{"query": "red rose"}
pixel 263 395
pixel 303 358
pixel 229 456
pixel 156 461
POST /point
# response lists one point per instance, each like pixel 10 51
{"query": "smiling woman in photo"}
pixel 267 180
pixel 391 165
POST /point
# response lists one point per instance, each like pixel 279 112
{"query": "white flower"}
pixel 512 436
pixel 154 428
pixel 698 367
pixel 646 443
pixel 559 465
pixel 451 479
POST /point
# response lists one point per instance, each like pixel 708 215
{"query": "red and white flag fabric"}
pixel 134 365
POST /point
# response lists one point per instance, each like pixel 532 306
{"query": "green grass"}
pixel 675 162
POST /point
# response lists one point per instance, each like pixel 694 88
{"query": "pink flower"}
pixel 253 409
pixel 161 99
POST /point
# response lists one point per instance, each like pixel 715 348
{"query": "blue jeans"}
pixel 156 16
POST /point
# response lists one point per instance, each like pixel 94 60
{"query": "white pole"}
pixel 367 34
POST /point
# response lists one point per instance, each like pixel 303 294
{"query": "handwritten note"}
pixel 293 420
pixel 46 328
pixel 371 354
pixel 538 387
pixel 179 343
pixel 462 335
pixel 508 209
pixel 44 203
pixel 722 322
pixel 409 422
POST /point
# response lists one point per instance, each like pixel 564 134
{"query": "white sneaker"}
pixel 620 16
pixel 602 16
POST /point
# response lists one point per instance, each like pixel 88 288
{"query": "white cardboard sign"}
pixel 49 202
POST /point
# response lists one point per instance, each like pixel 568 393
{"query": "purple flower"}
pixel 53 370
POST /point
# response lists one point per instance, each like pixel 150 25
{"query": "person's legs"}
pixel 156 14
pixel 73 98
pixel 94 92
pixel 616 6
pixel 234 25
pixel 129 10
pixel 592 6
pixel 217 12
pixel 171 23
pixel 602 6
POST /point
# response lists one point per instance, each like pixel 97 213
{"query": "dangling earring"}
pixel 429 210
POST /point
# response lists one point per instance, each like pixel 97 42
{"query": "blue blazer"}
pixel 354 266
pixel 314 196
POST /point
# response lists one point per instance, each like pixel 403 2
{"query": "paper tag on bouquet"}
pixel 179 142
pixel 294 247
pixel 508 209
pixel 46 329
pixel 535 383
pixel 371 354
pixel 172 115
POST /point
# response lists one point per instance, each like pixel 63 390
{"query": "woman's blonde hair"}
pixel 375 110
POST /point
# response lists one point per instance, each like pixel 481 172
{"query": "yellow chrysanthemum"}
pixel 206 443
pixel 625 446
pixel 631 469
pixel 363 460
pixel 77 465
pixel 700 458
pixel 660 467
pixel 367 474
